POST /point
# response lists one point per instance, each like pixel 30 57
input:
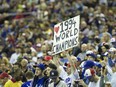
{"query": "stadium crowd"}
pixel 26 39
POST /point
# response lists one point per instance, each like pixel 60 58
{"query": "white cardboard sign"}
pixel 66 34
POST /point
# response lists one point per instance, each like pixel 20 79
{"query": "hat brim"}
pixel 88 77
pixel 53 77
pixel 45 59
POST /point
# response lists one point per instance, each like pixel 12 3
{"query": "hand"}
pixel 73 58
pixel 81 82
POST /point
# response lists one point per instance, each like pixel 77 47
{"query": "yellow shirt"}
pixel 9 83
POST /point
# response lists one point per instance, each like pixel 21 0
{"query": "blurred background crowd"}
pixel 26 39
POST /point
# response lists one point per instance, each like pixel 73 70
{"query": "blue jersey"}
pixel 38 82
pixel 26 84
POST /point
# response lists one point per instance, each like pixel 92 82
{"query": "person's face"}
pixel 54 79
pixel 46 62
pixel 18 50
pixel 114 68
pixel 15 67
pixel 78 63
pixel 68 70
pixel 23 63
pixel 90 58
pixel 112 54
pixel 38 71
pixel 38 49
pixel 3 81
pixel 83 48
pixel 48 69
pixel 103 49
pixel 3 66
pixel 1 47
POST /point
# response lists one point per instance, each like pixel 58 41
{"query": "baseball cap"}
pixel 3 75
pixel 78 59
pixel 89 64
pixel 89 72
pixel 90 53
pixel 54 74
pixel 41 66
pixel 47 58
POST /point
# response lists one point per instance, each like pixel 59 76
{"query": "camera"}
pixel 76 84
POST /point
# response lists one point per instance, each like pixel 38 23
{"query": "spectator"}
pixel 15 81
pixel 72 72
pixel 83 51
pixel 29 76
pixel 93 78
pixel 47 60
pixel 113 79
pixel 38 78
pixel 56 81
pixel 4 77
pixel 14 56
pixel 24 66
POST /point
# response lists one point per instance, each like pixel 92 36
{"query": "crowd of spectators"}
pixel 26 39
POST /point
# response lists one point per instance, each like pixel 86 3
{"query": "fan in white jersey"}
pixel 71 71
pixel 62 73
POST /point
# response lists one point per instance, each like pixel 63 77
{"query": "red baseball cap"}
pixel 47 58
pixel 3 75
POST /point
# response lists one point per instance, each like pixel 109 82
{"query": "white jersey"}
pixel 63 73
pixel 113 80
pixel 60 84
pixel 71 78
pixel 14 58
pixel 93 84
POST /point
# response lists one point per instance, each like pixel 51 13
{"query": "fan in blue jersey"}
pixel 39 79
pixel 29 76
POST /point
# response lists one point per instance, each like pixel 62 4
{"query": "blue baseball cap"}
pixel 92 55
pixel 41 66
pixel 89 64
pixel 78 59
